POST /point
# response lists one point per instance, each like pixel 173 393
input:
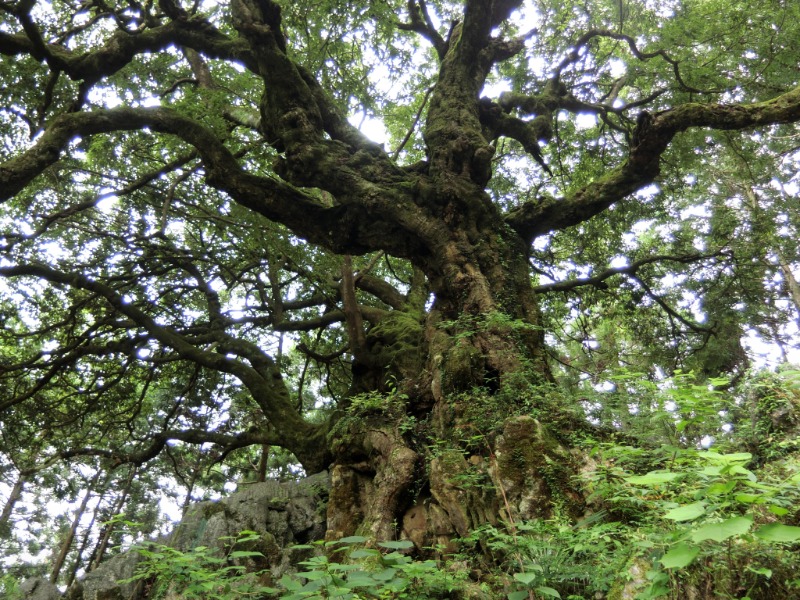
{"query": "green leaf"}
pixel 363 553
pixel 712 471
pixel 726 459
pixel 778 510
pixel 653 478
pixel 723 530
pixel 394 559
pixel 761 571
pixel 720 488
pixel 339 567
pixel 776 532
pixel 248 536
pixel 548 591
pixel 518 596
pixel 353 539
pixel 360 579
pixel 679 556
pixel 397 545
pixel 757 485
pixel 313 575
pixel 738 457
pixel 526 578
pixel 687 512
pixel 385 575
pixel 740 470
pixel 749 498
pixel 710 455
pixel 339 592
pixel 264 589
pixel 244 554
pixel 290 584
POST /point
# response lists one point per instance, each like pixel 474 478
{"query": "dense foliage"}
pixel 242 239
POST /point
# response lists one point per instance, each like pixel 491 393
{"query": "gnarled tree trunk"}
pixel 455 446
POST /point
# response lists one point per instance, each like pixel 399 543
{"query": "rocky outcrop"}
pixel 281 514
pixel 103 582
pixel 39 589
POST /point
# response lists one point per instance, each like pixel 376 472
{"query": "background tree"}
pixel 200 248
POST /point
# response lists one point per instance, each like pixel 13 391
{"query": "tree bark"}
pixel 108 529
pixel 443 457
pixel 13 497
pixel 84 544
pixel 66 545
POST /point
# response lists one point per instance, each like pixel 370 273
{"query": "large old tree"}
pixel 201 249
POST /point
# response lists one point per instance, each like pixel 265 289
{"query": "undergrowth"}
pixel 668 519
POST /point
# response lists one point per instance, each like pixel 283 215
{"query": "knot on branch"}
pixel 259 17
pixel 528 133
pixel 502 9
pixel 173 10
pixel 643 123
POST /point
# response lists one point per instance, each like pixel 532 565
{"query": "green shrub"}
pixel 199 574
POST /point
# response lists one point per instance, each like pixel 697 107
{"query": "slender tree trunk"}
pixel 13 498
pixel 58 564
pixel 792 285
pixel 105 536
pixel 76 564
pixel 187 500
pixel 263 462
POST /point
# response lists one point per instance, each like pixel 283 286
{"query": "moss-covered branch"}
pixel 651 139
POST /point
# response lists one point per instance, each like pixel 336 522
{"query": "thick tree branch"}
pixel 341 228
pixel 651 139
pixel 370 313
pixel 121 47
pixel 227 442
pixel 381 289
pixel 353 317
pixel 420 22
pixel 671 311
pixel 527 133
pixel 575 53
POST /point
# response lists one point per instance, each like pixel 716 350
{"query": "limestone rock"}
pixel 39 589
pixel 101 584
pixel 281 513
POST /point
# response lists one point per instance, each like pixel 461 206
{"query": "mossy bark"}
pixel 454 449
pixel 426 457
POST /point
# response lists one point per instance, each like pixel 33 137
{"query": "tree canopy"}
pixel 226 228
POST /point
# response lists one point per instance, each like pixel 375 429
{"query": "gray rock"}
pixel 39 589
pixel 103 582
pixel 281 514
